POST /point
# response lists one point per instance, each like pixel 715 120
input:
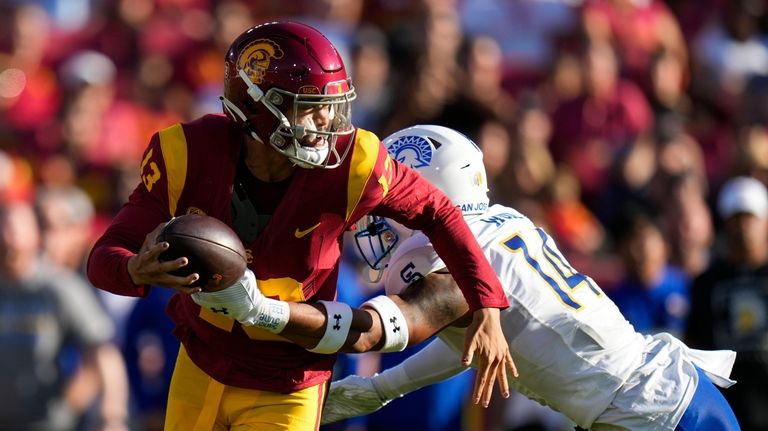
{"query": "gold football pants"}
pixel 196 402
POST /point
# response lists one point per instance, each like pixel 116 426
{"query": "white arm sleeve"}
pixel 359 396
pixel 432 364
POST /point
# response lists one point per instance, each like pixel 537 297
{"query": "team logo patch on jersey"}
pixel 413 151
pixel 255 58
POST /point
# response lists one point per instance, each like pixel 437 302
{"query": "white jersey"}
pixel 574 350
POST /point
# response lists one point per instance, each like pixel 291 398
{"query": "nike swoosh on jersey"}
pixel 303 233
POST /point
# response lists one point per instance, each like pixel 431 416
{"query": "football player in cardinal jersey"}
pixel 286 168
pixel 574 350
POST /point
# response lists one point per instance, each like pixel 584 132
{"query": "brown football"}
pixel 214 250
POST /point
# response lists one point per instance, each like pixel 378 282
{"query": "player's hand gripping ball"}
pixel 213 249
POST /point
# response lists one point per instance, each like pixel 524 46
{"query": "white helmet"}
pixel 445 157
pixel 448 159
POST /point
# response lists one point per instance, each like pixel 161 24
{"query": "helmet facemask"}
pixel 376 241
pixel 319 146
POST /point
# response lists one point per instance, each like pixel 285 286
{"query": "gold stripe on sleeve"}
pixel 174 146
pixel 364 156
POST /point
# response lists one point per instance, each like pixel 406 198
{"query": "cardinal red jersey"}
pixel 193 168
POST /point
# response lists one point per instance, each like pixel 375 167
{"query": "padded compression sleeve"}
pixel 432 364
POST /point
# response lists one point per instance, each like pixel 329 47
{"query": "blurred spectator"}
pixel 518 172
pixel 431 82
pixel 677 151
pixel 730 50
pixel 751 158
pixel 476 96
pixel 653 294
pixel 46 308
pixel 100 129
pixel 592 129
pixel 65 214
pixel 575 227
pixel 638 29
pixel 29 95
pixel 532 169
pixel 730 299
pixel 150 350
pixel 101 132
pixel 529 34
pixel 495 140
pixel 564 82
pixel 631 183
pixel 692 16
pixel 16 177
pixel 687 220
pixel 483 64
pixel 668 84
pixel 373 80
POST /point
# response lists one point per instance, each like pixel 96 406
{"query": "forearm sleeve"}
pixel 432 364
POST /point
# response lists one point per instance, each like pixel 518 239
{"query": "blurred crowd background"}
pixel 613 124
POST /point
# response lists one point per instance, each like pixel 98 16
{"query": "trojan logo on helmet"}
pixel 255 58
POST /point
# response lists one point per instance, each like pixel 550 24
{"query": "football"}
pixel 213 249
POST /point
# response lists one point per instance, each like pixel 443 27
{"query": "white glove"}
pixel 244 302
pixel 352 396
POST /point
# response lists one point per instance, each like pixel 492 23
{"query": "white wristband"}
pixel 339 320
pixel 393 321
pixel 272 316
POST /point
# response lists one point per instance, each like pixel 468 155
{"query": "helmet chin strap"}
pixel 234 111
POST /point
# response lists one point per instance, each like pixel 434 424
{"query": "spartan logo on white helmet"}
pixel 448 159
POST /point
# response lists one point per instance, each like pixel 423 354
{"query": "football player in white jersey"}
pixel 573 349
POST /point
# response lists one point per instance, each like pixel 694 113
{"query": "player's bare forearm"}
pixel 431 304
pixel 428 306
pixel 309 320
